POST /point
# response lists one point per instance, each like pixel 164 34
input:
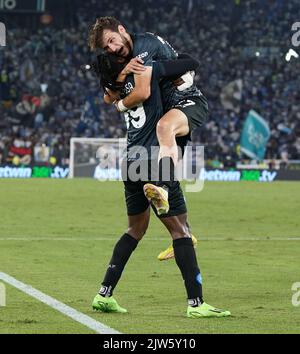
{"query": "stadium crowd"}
pixel 45 97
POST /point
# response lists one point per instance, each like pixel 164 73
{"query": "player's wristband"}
pixel 188 79
pixel 121 107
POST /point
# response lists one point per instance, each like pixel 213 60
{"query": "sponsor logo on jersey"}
pixel 128 88
pixel 143 55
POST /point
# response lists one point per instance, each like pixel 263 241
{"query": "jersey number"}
pixel 135 116
pixel 185 103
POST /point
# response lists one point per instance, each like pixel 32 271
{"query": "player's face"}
pixel 116 43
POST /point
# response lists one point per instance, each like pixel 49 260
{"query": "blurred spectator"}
pixel 233 40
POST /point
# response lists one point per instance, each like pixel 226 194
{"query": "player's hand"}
pixel 116 104
pixel 120 106
pixel 188 81
pixel 135 66
pixel 178 82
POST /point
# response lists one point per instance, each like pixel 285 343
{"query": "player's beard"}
pixel 126 44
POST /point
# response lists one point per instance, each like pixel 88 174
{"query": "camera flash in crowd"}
pixel 291 54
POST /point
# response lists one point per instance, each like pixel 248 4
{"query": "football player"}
pixel 141 124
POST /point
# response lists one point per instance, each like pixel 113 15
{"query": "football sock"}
pixel 166 172
pixel 186 260
pixel 122 251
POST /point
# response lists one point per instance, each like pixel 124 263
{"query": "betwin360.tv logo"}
pixel 2 35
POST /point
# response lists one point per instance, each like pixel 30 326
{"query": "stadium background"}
pixel 235 40
pixel 57 235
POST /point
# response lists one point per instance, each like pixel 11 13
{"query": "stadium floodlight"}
pixel 291 54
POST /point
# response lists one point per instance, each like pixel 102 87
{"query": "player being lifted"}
pixel 110 35
pixel 170 69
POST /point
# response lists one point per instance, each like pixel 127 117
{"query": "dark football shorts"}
pixel 196 110
pixel 137 203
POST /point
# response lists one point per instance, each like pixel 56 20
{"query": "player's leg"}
pixel 178 122
pixel 174 123
pixel 176 223
pixel 185 256
pixel 186 260
pixel 137 226
pixel 168 253
pixel 138 220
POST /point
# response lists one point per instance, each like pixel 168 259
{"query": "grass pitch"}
pixel 58 235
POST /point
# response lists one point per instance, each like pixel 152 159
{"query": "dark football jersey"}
pixel 141 121
pixel 150 48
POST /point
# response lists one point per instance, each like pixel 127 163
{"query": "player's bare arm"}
pixel 140 93
pixel 136 67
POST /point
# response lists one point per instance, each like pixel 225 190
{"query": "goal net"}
pixel 96 157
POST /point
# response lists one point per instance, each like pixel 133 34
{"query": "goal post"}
pixel 86 154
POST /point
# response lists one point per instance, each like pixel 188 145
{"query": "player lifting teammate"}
pixel 185 110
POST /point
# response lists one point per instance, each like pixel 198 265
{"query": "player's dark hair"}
pixel 107 68
pixel 96 31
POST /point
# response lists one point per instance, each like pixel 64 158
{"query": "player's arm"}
pixel 140 93
pixel 110 96
pixel 135 66
pixel 142 89
pixel 181 71
pixel 148 50
pixel 176 67
pixel 165 68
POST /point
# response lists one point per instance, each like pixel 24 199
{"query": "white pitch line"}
pixel 85 320
pixel 85 239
